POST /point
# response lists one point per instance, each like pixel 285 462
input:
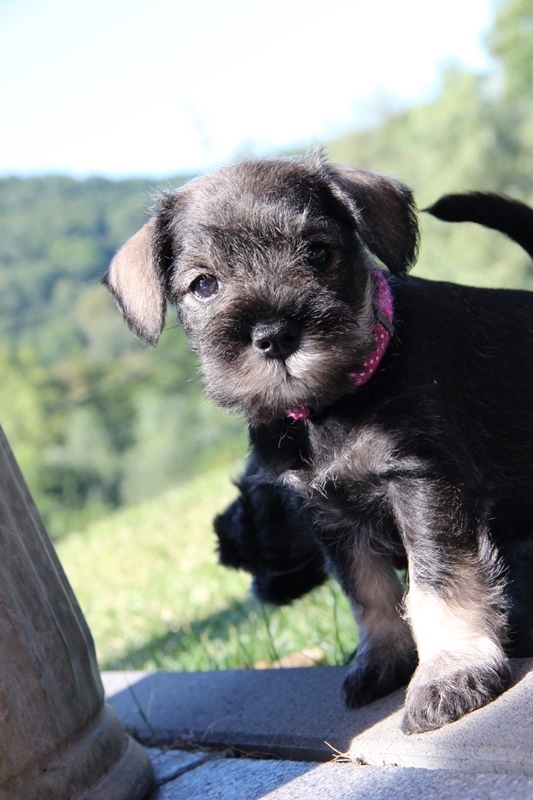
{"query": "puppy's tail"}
pixel 510 217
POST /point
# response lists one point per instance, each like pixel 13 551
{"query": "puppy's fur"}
pixel 266 531
pixel 271 265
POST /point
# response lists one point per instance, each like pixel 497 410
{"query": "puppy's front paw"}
pixel 430 704
pixel 376 673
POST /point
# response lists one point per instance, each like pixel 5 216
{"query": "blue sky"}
pixel 124 88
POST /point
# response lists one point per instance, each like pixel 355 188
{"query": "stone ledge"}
pixel 298 714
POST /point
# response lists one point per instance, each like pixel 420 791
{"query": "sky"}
pixel 125 88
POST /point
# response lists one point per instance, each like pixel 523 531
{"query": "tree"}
pixel 510 42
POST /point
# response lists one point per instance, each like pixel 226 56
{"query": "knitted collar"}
pixel 383 331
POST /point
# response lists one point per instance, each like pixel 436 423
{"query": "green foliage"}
pixel 28 401
pixel 510 41
pixel 95 419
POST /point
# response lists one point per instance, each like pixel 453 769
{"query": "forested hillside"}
pixel 97 420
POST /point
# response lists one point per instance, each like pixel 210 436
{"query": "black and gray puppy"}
pixel 400 410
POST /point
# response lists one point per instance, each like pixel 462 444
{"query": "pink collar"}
pixel 383 330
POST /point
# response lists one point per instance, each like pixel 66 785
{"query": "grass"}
pixel 154 596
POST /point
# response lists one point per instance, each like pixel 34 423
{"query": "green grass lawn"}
pixel 148 581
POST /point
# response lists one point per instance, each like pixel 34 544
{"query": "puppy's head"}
pixel 269 266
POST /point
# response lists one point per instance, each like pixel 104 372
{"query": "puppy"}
pixel 399 410
pixel 266 532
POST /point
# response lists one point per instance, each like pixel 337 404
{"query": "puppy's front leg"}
pixel 386 655
pixel 455 606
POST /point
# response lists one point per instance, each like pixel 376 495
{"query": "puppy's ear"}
pixel 385 213
pixel 135 279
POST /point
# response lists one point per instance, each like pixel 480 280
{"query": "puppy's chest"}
pixel 344 472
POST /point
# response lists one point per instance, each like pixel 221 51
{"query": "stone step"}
pixel 298 715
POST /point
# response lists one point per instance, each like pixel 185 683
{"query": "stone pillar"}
pixel 58 740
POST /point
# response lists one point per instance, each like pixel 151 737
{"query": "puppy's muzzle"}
pixel 278 339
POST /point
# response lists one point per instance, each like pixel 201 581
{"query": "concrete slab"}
pixel 497 738
pixel 298 714
pixel 233 779
pixel 171 764
pixel 246 779
pixel 286 713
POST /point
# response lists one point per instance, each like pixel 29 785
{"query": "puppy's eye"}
pixel 205 286
pixel 318 254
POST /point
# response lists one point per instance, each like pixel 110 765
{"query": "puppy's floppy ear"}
pixel 385 212
pixel 136 281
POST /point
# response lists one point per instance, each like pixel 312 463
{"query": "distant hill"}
pixel 95 418
pixel 57 236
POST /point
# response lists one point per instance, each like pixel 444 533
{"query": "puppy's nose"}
pixel 277 339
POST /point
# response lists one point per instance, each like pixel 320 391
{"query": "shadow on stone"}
pixel 295 714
